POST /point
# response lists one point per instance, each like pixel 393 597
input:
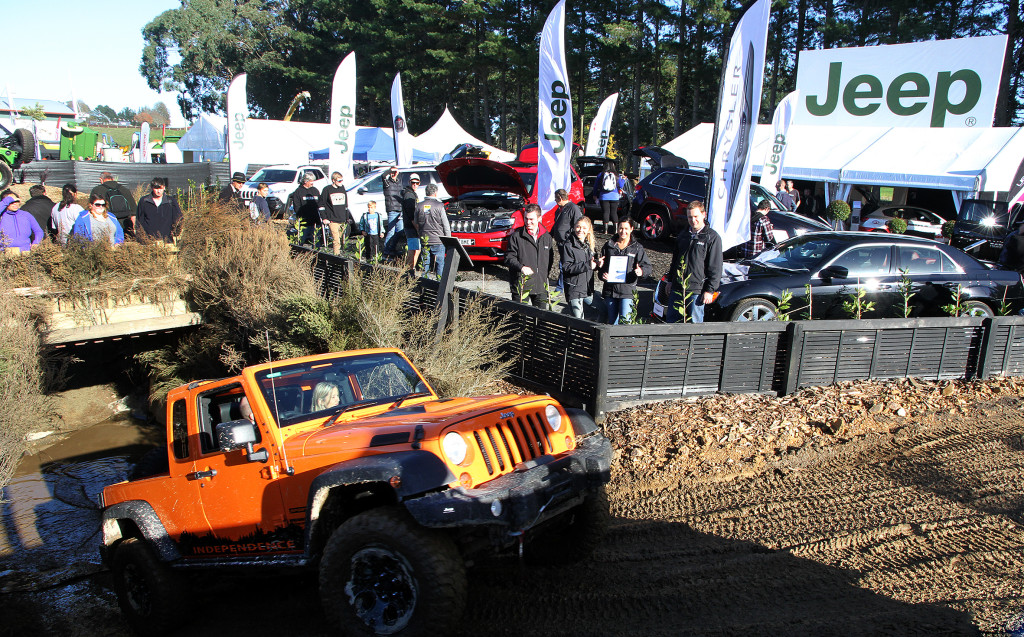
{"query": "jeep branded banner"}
pixel 343 118
pixel 775 156
pixel 600 128
pixel 554 121
pixel 144 157
pixel 738 103
pixel 936 84
pixel 403 140
pixel 238 113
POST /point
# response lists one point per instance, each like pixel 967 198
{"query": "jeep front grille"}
pixel 469 225
pixel 510 442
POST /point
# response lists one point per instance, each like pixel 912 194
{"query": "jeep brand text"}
pixel 344 121
pixel 778 147
pixel 559 104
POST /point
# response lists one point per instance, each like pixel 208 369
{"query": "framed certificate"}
pixel 617 269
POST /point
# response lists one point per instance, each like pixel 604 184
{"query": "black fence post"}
pixel 601 388
pixel 795 331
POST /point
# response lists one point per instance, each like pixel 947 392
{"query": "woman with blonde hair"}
pixel 98 225
pixel 325 396
pixel 578 267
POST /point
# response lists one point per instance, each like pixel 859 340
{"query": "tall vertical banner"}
pixel 144 156
pixel 403 140
pixel 775 156
pixel 12 109
pixel 600 128
pixel 738 105
pixel 343 118
pixel 238 113
pixel 554 121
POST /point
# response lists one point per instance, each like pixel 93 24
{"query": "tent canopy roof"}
pixel 446 134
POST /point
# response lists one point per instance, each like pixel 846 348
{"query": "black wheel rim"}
pixel 381 589
pixel 654 225
pixel 136 591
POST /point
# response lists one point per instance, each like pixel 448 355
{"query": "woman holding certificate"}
pixel 623 261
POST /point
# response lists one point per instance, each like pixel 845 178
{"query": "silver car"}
pixel 920 222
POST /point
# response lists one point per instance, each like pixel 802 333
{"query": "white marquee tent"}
pixel 446 134
pixel 967 161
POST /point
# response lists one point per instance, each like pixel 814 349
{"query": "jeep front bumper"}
pixel 524 498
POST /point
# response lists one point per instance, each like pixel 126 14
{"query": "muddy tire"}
pixel 382 574
pixel 6 175
pixel 577 540
pixel 148 593
pixel 153 463
pixel 27 141
pixel 754 310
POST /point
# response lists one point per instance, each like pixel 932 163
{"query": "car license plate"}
pixel 466 242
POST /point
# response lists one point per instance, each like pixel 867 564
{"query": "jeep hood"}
pixel 475 174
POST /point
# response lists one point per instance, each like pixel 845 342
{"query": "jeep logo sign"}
pixel 344 122
pixel 947 83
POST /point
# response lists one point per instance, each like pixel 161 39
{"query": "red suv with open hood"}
pixel 488 199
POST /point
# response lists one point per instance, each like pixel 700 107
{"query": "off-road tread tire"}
pixel 746 304
pixel 577 541
pixel 163 584
pixel 27 141
pixel 153 463
pixel 438 568
pixel 6 175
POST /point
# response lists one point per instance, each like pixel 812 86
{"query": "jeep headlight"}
pixel 503 222
pixel 455 447
pixel 554 418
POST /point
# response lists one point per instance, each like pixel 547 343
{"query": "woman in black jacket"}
pixel 578 266
pixel 618 295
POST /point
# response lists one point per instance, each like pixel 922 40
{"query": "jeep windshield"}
pixel 992 214
pixel 274 175
pixel 322 389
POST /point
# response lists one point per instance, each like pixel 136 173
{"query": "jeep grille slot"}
pixel 483 452
pixel 497 450
pixel 538 433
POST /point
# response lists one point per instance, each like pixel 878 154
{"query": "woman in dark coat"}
pixel 578 267
pixel 618 295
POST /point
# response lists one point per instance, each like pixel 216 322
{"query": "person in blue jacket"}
pixel 607 187
pixel 18 228
pixel 98 225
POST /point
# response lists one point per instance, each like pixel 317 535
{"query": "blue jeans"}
pixel 618 308
pixel 437 252
pixel 694 307
pixel 395 225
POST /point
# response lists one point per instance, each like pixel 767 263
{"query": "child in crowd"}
pixel 372 229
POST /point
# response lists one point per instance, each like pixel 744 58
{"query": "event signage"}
pixel 554 121
pixel 403 140
pixel 343 118
pixel 943 83
pixel 738 104
pixel 238 113
pixel 12 110
pixel 144 156
pixel 775 156
pixel 600 128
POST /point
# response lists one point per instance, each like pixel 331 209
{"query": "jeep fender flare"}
pixel 417 471
pixel 582 423
pixel 142 515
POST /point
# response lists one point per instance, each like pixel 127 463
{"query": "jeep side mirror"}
pixel 362 191
pixel 240 434
pixel 834 272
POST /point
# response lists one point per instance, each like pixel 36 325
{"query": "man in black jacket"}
pixel 531 251
pixel 158 213
pixel 412 237
pixel 40 206
pixel 696 267
pixel 306 203
pixel 393 206
pixel 334 202
pixel 566 217
pixel 233 191
pixel 120 201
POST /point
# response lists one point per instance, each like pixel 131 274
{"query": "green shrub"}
pixel 839 210
pixel 947 228
pixel 896 226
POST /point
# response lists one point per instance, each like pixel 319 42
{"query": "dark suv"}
pixel 662 197
pixel 981 227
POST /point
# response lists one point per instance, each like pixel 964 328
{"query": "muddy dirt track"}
pixel 908 526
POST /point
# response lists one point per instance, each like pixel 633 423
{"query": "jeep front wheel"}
pixel 574 542
pixel 147 591
pixel 382 574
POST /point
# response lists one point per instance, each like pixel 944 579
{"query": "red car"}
pixel 488 199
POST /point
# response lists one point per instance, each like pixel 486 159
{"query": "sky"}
pixel 81 46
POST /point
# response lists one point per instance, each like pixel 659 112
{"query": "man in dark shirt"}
pixel 158 213
pixel 233 191
pixel 1012 255
pixel 412 237
pixel 432 221
pixel 566 217
pixel 40 206
pixel 783 195
pixel 306 203
pixel 531 251
pixel 696 267
pixel 393 206
pixel 334 203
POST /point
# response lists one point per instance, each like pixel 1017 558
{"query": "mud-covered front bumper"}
pixel 524 498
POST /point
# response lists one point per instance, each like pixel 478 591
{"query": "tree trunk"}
pixel 1006 102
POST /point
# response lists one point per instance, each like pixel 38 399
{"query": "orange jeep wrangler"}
pixel 350 463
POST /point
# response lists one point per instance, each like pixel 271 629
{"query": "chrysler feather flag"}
pixel 554 121
pixel 403 140
pixel 738 105
pixel 343 118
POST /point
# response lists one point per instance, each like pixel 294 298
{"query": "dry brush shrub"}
pixel 22 400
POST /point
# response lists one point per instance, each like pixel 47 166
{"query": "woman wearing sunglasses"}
pixel 98 224
pixel 18 229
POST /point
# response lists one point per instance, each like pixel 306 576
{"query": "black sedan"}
pixel 837 264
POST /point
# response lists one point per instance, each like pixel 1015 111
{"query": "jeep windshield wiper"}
pixel 415 394
pixel 362 403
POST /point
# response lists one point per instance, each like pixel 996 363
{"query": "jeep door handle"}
pixel 198 475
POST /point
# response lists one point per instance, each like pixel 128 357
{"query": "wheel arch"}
pixel 137 518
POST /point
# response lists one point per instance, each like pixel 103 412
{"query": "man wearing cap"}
pixel 306 203
pixel 393 206
pixel 334 204
pixel 120 201
pixel 412 236
pixel 233 191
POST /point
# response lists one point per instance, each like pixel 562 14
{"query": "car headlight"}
pixel 455 447
pixel 504 222
pixel 989 222
pixel 554 418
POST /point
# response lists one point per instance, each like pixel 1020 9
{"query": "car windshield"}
pixel 319 389
pixel 799 253
pixel 990 213
pixel 759 194
pixel 274 175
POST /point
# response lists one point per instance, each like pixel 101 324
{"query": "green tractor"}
pixel 16 148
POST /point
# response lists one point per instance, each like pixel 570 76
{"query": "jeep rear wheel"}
pixel 574 542
pixel 382 574
pixel 654 224
pixel 6 174
pixel 147 591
